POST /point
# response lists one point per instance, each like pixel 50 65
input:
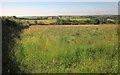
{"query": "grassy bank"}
pixel 11 30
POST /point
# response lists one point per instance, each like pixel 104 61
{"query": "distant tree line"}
pixel 38 18
pixel 91 21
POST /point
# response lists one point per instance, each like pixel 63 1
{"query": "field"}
pixel 63 49
pixel 75 18
pixel 43 21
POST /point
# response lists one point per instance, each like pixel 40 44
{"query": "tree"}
pixel 14 17
pixel 57 21
pixel 61 22
pixel 35 22
pixel 95 21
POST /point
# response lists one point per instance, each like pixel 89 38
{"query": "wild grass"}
pixel 63 50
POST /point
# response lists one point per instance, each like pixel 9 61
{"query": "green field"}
pixel 84 49
pixel 75 18
pixel 42 21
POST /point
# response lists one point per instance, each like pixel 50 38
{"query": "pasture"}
pixel 63 49
pixel 40 21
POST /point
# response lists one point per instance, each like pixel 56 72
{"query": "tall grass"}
pixel 63 50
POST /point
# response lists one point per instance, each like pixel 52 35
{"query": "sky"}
pixel 58 8
pixel 59 0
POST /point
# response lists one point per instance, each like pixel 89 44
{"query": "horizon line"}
pixel 61 15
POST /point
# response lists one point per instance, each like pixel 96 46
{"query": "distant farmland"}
pixel 72 20
pixel 40 21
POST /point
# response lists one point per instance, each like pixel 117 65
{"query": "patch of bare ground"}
pixel 75 26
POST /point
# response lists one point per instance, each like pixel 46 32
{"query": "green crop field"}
pixel 83 49
pixel 81 19
pixel 43 21
pixel 75 18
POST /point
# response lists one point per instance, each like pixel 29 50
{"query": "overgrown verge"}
pixel 11 30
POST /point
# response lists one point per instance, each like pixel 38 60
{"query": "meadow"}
pixel 40 21
pixel 56 49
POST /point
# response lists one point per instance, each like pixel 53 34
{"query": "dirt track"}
pixel 75 26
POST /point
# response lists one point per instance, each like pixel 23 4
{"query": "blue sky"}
pixel 59 0
pixel 58 8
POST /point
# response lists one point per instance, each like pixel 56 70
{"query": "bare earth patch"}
pixel 61 26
